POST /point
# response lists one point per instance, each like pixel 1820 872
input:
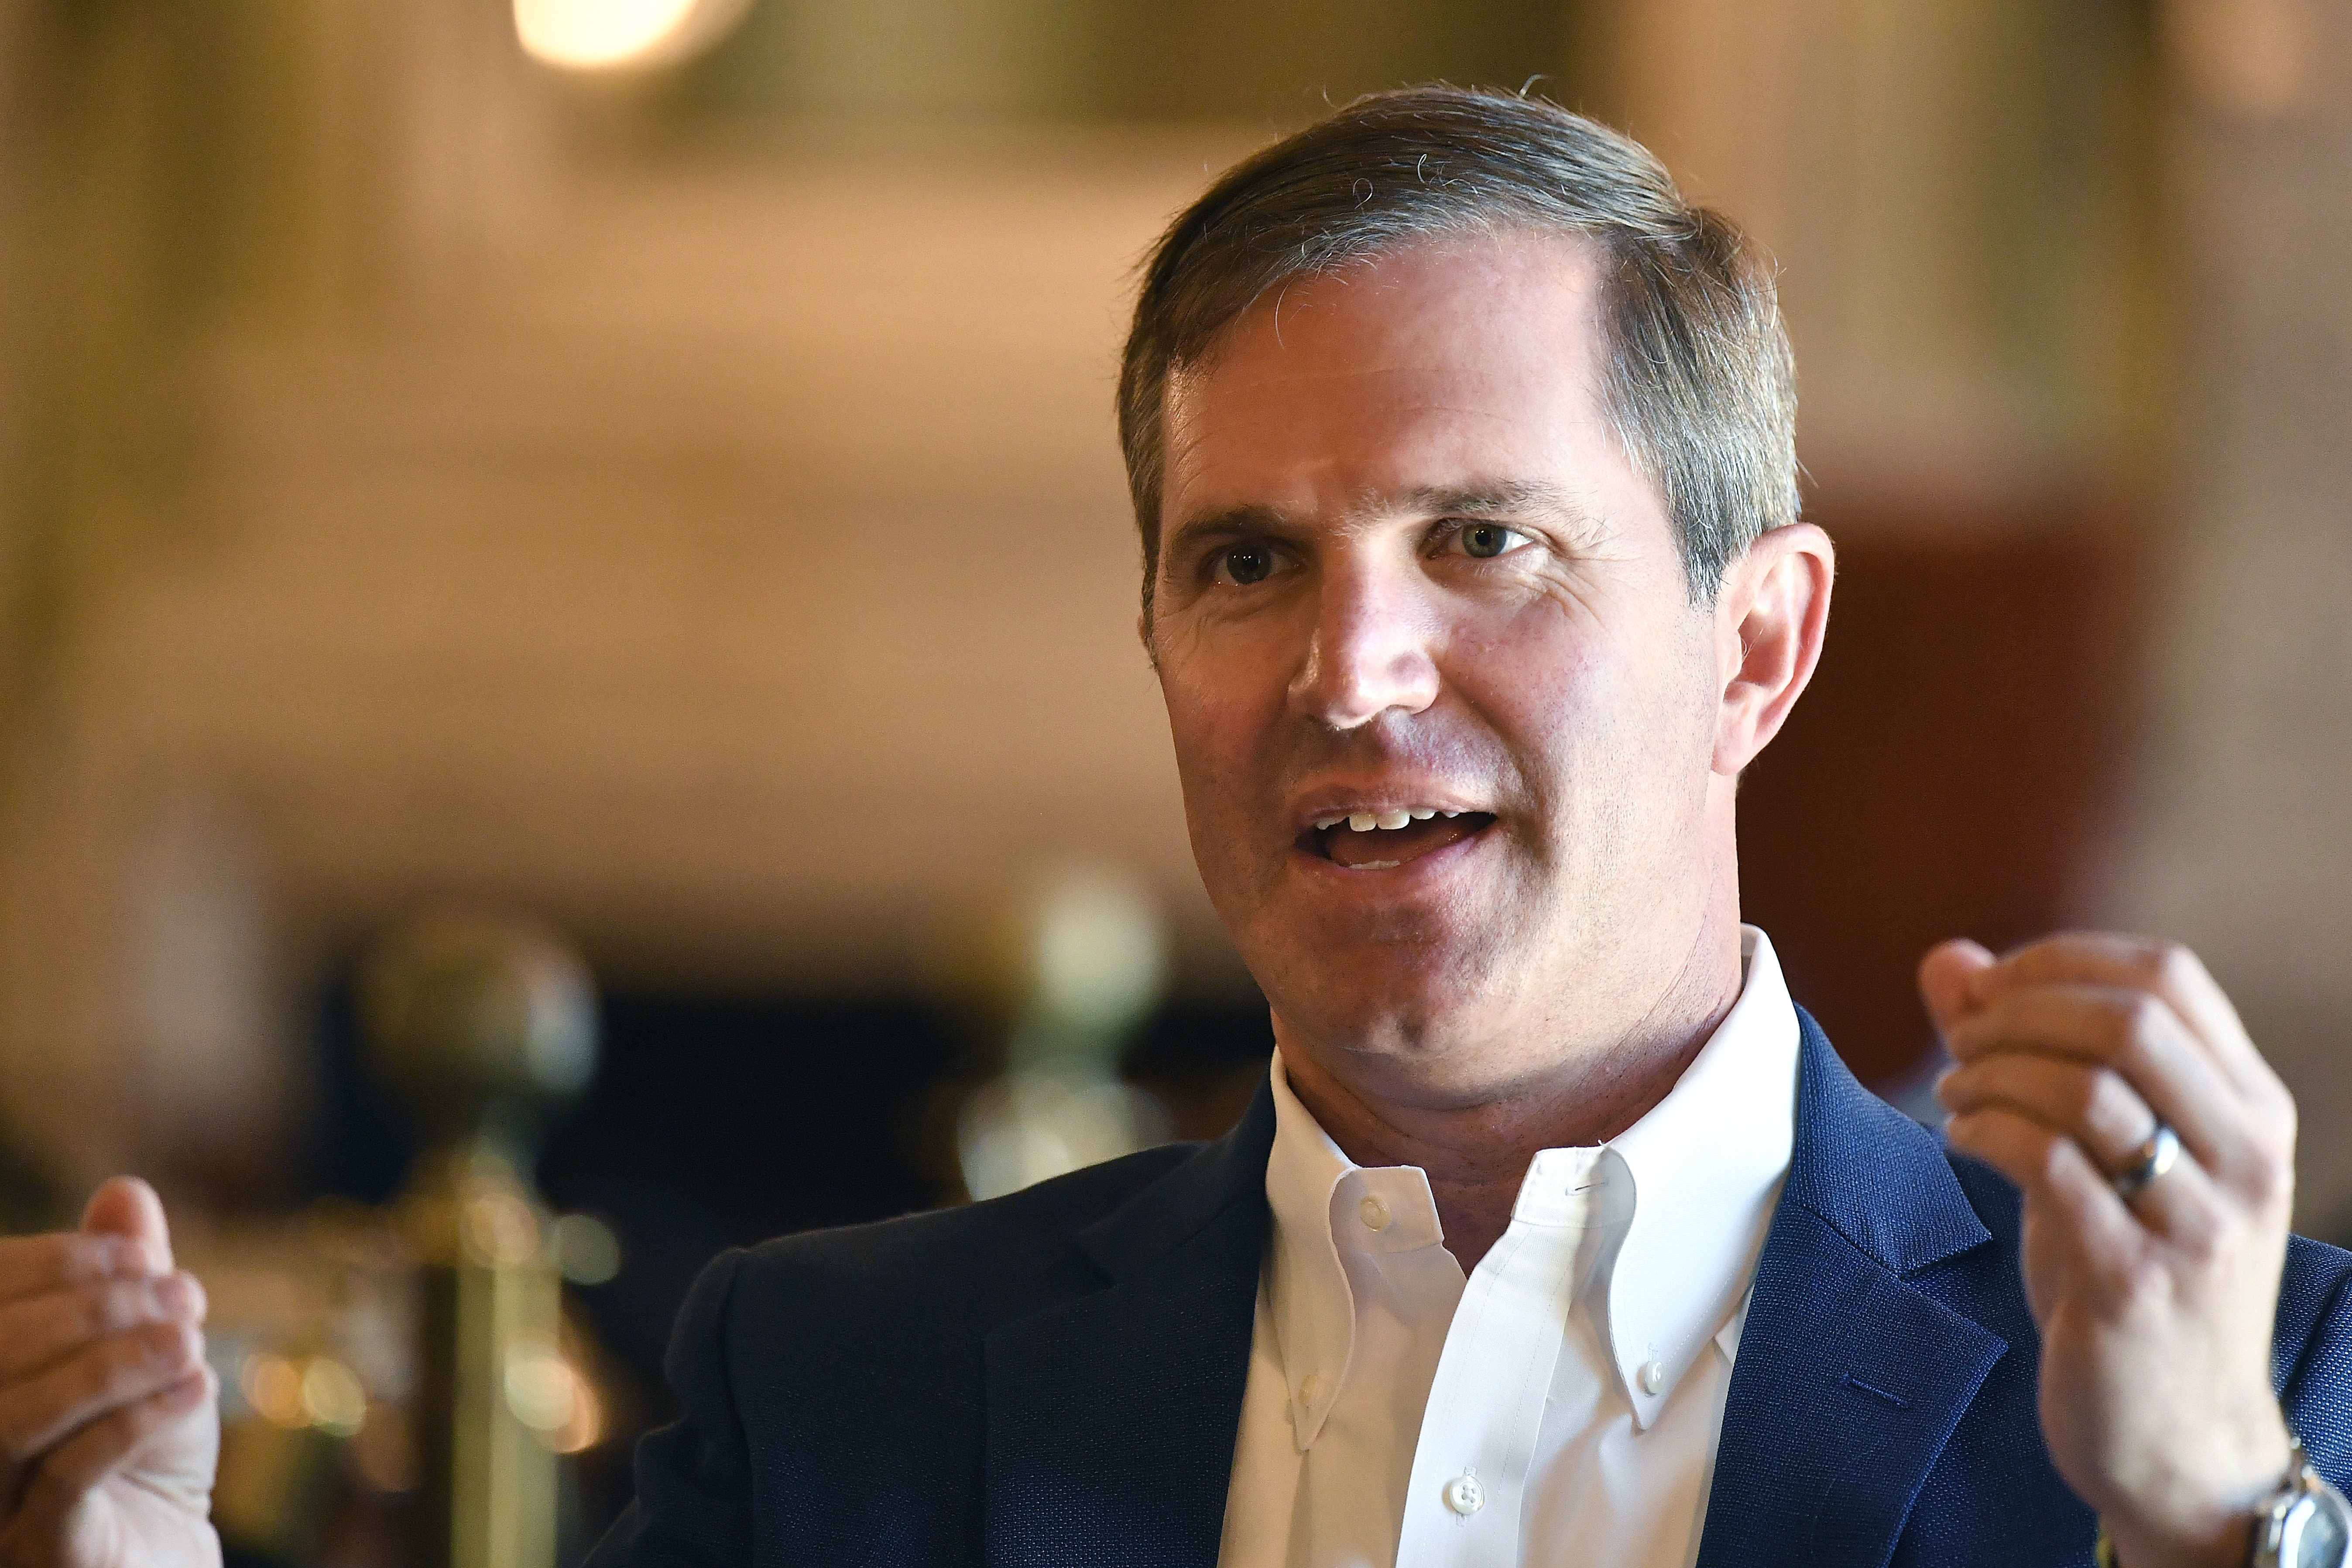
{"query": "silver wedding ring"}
pixel 2149 1160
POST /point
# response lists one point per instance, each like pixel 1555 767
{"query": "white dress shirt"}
pixel 1562 1403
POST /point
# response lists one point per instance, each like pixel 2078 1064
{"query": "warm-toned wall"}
pixel 435 481
pixel 1961 201
pixel 1954 768
pixel 2033 252
pixel 728 559
pixel 2239 839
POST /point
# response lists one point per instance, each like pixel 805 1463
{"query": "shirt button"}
pixel 1464 1496
pixel 1375 1214
pixel 1652 1375
pixel 1311 1390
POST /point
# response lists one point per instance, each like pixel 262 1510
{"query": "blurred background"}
pixel 624 491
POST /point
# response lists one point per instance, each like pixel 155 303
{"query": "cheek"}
pixel 1600 722
pixel 1217 730
pixel 1225 687
pixel 1219 750
pixel 1542 680
pixel 1668 734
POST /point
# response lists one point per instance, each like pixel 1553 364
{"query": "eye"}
pixel 1484 540
pixel 1247 563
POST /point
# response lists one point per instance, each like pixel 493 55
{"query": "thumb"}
pixel 128 1207
pixel 1946 981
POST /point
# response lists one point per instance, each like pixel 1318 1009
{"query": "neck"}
pixel 1475 1149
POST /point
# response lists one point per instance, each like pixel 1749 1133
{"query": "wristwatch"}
pixel 2305 1524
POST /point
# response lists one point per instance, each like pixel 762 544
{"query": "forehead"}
pixel 1436 363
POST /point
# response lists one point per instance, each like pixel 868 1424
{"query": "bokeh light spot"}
pixel 605 35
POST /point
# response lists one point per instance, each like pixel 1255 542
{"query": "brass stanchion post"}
pixel 479 1023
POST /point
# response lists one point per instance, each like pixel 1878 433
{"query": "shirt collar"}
pixel 1312 1306
pixel 1707 1163
pixel 1705 1166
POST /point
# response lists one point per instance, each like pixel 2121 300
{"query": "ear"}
pixel 1771 614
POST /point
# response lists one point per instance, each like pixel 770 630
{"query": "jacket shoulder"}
pixel 832 1380
pixel 2311 1347
pixel 1999 1205
pixel 963 1266
pixel 2315 1277
pixel 2311 1354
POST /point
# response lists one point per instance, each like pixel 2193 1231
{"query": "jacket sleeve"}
pixel 693 1507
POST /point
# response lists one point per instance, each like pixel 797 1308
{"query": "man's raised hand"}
pixel 2155 1309
pixel 108 1432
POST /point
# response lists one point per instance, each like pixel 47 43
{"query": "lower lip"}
pixel 1396 878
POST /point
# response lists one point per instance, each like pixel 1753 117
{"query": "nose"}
pixel 1372 648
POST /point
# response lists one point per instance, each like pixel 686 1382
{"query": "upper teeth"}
pixel 1365 821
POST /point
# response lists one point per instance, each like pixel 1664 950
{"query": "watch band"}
pixel 2305 1523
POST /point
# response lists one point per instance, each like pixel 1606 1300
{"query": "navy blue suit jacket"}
pixel 1056 1377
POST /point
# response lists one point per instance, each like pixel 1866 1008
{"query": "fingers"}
pixel 2056 1176
pixel 2149 1012
pixel 128 1207
pixel 104 1447
pixel 2162 969
pixel 104 1377
pixel 2090 1103
pixel 2141 1041
pixel 40 1264
pixel 1946 980
pixel 2094 1109
pixel 39 1330
pixel 2056 1173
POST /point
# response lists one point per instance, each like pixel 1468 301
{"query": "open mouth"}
pixel 1380 840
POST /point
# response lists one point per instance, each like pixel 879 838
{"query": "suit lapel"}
pixel 1850 1379
pixel 1111 1417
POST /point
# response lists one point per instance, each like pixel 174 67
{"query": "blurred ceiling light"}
pixel 619 34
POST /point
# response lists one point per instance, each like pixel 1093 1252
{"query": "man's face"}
pixel 1407 575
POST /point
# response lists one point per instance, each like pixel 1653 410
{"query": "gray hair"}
pixel 1699 383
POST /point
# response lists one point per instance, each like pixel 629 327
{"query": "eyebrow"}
pixel 1508 498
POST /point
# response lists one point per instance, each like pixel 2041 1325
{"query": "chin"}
pixel 1388 997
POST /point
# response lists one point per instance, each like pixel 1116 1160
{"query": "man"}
pixel 1461 449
